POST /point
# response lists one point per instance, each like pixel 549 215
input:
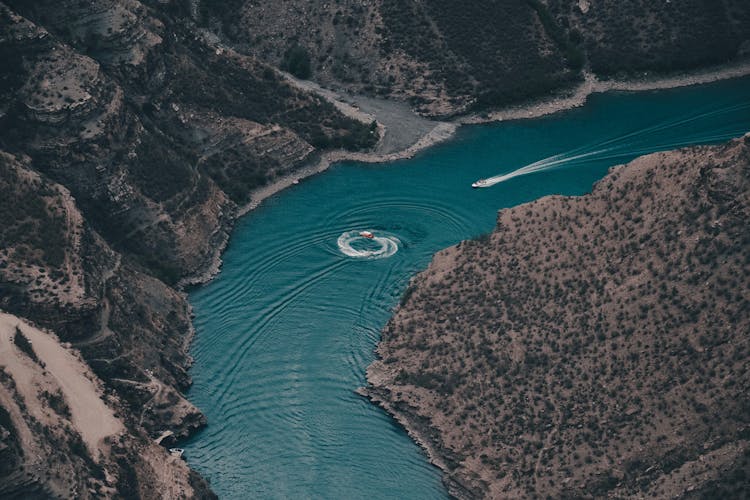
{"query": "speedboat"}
pixel 366 234
pixel 480 183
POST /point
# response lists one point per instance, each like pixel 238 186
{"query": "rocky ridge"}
pixel 130 137
pixel 447 58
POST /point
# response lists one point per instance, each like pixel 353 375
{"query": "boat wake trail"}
pixel 636 143
pixel 353 244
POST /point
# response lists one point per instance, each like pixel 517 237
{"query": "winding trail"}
pixel 104 330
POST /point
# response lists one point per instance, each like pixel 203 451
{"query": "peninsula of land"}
pixel 590 346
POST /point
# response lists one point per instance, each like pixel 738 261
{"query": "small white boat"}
pixel 176 452
pixel 366 234
pixel 480 183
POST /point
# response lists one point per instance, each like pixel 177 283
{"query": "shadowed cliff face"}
pixel 449 57
pixel 639 35
pixel 127 142
pixel 590 346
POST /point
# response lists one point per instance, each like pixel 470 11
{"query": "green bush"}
pixel 24 345
pixel 297 62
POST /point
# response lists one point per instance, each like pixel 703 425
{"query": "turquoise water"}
pixel 285 332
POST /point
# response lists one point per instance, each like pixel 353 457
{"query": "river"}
pixel 287 329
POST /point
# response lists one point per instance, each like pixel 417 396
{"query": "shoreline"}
pixel 578 95
pixel 456 485
pixel 442 131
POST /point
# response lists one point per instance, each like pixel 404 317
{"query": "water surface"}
pixel 286 331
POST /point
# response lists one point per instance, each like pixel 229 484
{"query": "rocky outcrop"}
pixel 58 272
pixel 65 436
pixel 127 142
pixel 590 346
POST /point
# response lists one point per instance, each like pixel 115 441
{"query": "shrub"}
pixel 297 62
pixel 24 344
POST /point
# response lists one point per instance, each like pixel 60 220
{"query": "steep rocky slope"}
pixel 57 271
pixel 60 433
pixel 640 35
pixel 127 143
pixel 590 346
pixel 449 57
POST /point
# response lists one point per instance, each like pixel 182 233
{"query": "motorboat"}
pixel 480 183
pixel 366 234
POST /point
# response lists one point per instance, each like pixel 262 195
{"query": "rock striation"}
pixel 132 133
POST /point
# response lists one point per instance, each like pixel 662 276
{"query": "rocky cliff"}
pixel 591 346
pixel 127 143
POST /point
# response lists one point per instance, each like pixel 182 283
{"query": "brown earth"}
pixel 590 346
pixel 127 142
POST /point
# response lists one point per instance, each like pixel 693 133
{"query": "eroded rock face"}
pixel 447 58
pixel 590 346
pixel 131 329
pixel 131 138
pixel 637 35
pixel 64 437
pixel 127 142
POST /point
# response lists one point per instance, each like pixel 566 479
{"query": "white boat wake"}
pixel 380 246
pixel 625 146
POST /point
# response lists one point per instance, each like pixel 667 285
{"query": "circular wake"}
pixel 353 244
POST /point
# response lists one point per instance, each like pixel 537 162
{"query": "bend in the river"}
pixel 287 329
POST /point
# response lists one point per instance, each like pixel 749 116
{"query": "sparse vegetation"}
pixel 451 57
pixel 626 37
pixel 591 346
pixel 129 138
pixel 56 401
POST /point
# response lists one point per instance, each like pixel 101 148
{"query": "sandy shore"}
pixel 440 131
pixel 592 85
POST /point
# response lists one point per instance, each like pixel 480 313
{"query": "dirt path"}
pixel 93 419
pixel 104 330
